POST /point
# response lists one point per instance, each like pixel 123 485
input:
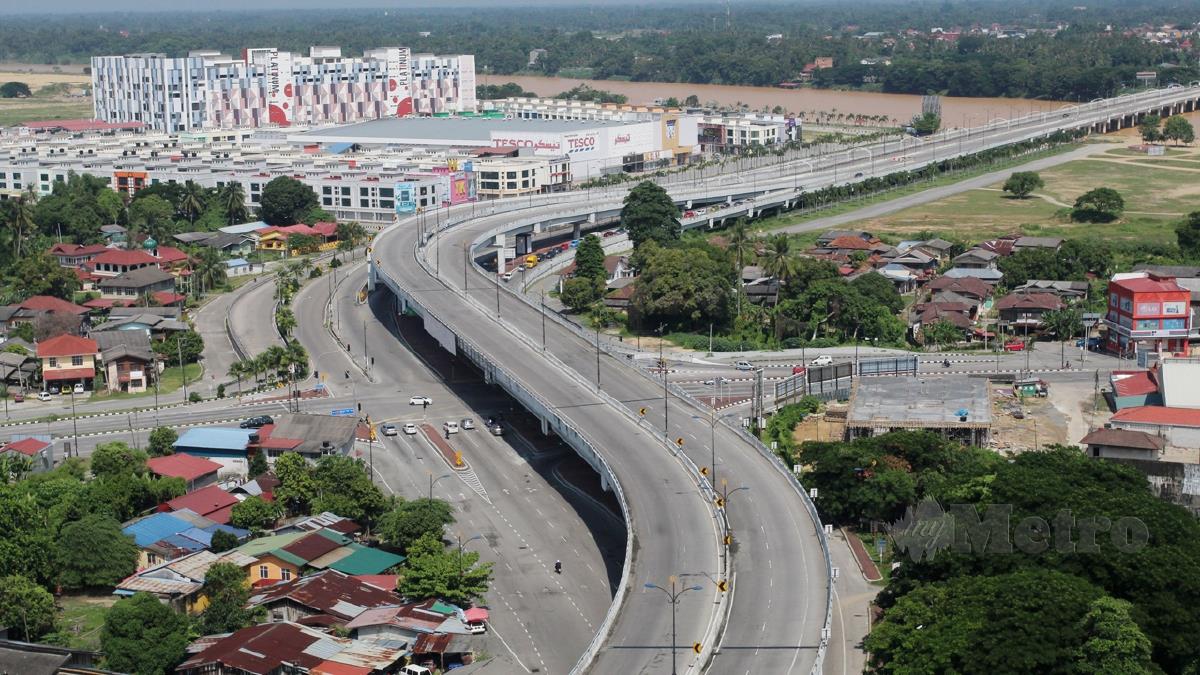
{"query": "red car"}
pixel 1014 346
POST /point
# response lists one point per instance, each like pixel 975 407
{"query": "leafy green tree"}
pixel 41 275
pixel 411 520
pixel 296 489
pixel 985 624
pixel 258 464
pixel 15 90
pixel 116 458
pixel 26 543
pixel 1115 643
pixel 433 572
pixel 589 259
pixel 941 333
pixel 1021 184
pixel 188 342
pixel 1179 129
pixel 162 441
pixel 649 214
pixel 143 636
pixel 1148 128
pixel 301 244
pixel 1100 205
pixel 878 288
pixel 926 124
pixel 344 487
pixel 194 200
pixel 285 201
pixel 692 101
pixel 228 589
pixel 1187 233
pixel 223 541
pixel 579 293
pixel 93 552
pixel 208 269
pixel 26 609
pixel 685 288
pixel 233 199
pixel 256 514
pixel 1063 323
pixel 153 215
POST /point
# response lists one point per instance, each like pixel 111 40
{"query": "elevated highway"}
pixel 777 617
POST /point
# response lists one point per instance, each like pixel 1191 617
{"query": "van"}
pixel 451 427
pixel 414 669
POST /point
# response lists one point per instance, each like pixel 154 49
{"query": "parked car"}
pixel 256 422
pixel 689 214
pixel 1091 343
pixel 822 360
pixel 43 396
pixel 420 400
pixel 1014 346
pixel 476 627
pixel 78 389
pixel 53 389
pixel 388 429
pixel 574 243
pixel 467 423
pixel 858 175
pixel 410 428
pixel 507 276
pixel 450 427
pixel 744 365
pixel 799 370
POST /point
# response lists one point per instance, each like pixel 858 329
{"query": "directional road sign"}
pixel 342 412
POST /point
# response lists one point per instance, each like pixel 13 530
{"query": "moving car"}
pixel 19 397
pixel 496 429
pixel 410 428
pixel 450 427
pixel 744 365
pixel 468 423
pixel 1014 346
pixel 822 360
pixel 506 276
pixel 256 422
pixel 388 429
pixel 420 400
pixel 799 370
pixel 43 396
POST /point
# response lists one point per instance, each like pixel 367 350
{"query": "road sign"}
pixel 679 441
pixel 720 501
pixel 642 412
pixel 704 471
pixel 723 585
pixel 697 647
pixel 342 412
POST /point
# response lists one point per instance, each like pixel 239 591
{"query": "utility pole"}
pixel 597 358
pixel 366 352
pixel 182 370
pixel 497 292
pixel 663 367
pixel 543 319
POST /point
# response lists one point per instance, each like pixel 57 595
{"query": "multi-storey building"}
pixel 1148 313
pixel 206 89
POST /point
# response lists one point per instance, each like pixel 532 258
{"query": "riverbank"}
pixel 956 112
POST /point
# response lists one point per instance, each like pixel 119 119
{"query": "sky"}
pixel 90 6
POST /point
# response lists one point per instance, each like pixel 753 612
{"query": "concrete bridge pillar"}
pixel 728 199
pixel 577 228
pixel 537 228
pixel 524 242
pixel 592 217
pixel 604 482
pixel 687 205
pixel 371 276
pixel 545 426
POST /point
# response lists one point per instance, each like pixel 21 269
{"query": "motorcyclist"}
pixel 558 566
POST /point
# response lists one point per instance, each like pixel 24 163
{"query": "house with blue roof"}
pixel 240 267
pixel 162 537
pixel 223 445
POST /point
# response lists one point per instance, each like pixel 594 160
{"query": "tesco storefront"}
pixel 593 151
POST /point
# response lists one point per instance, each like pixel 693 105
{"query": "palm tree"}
pixel 238 369
pixel 192 202
pixel 777 257
pixel 233 198
pixel 208 269
pixel 21 217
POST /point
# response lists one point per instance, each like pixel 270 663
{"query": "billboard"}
pixel 540 143
pixel 406 201
pixel 399 73
pixel 279 87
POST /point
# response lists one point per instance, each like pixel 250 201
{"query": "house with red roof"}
pixel 211 502
pixel 68 360
pixel 272 648
pixel 328 593
pixel 1148 313
pixel 39 452
pixel 74 255
pixel 197 472
pixel 1178 427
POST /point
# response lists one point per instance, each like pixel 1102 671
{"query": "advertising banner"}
pixel 399 73
pixel 406 201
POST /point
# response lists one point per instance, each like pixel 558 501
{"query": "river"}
pixel 956 112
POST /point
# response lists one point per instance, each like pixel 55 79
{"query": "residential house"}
pixel 407 622
pixel 114 262
pixel 31 308
pixel 196 472
pixel 275 648
pixel 223 445
pixel 916 260
pixel 1029 243
pixel 211 502
pixel 1123 444
pixel 18 370
pixel 162 537
pixel 1025 310
pixel 322 549
pixel 155 325
pixel 329 593
pixel 843 248
pixel 1179 427
pixel 38 450
pixel 262 486
pixel 1135 388
pixel 759 287
pixel 904 279
pixel 240 267
pixel 116 313
pixel 990 276
pixel 977 258
pixel 621 294
pixel 269 567
pixel 114 235
pixel 321 521
pixel 74 255
pixel 312 436
pixel 1002 246
pixel 824 240
pixel 1069 291
pixel 179 582
pixel 144 282
pixel 968 290
pixel 68 360
pixel 939 249
pixel 226 243
pixel 130 365
pixel 958 314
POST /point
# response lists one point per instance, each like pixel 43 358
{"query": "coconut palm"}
pixel 233 198
pixel 777 258
pixel 208 269
pixel 192 201
pixel 21 218
pixel 238 369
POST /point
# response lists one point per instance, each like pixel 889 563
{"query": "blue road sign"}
pixel 343 412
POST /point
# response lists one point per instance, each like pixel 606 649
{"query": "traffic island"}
pixel 451 456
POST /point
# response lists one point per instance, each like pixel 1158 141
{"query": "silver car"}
pixel 468 423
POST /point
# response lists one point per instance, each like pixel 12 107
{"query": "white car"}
pixel 822 360
pixel 388 429
pixel 78 388
pixel 420 400
pixel 744 365
pixel 451 427
pixel 476 627
pixel 410 428
pixel 507 276
pixel 44 396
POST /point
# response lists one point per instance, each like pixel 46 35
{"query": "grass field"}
pixel 39 80
pixel 41 106
pixel 1158 191
pixel 172 379
pixel 82 617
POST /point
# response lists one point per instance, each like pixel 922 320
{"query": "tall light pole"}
pixel 597 358
pixel 433 480
pixel 673 596
pixel 543 319
pixel 663 366
pixel 722 502
pixel 461 544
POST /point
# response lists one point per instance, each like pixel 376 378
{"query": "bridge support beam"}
pixel 577 228
pixel 545 426
pixel 524 242
pixel 687 204
pixel 592 217
pixel 537 228
pixel 371 276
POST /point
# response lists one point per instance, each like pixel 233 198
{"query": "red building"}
pixel 1147 312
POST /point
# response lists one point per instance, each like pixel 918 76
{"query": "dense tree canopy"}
pixel 684 288
pixel 94 553
pixel 256 514
pixel 1100 205
pixel 432 571
pixel 227 588
pixel 411 520
pixel 1021 184
pixel 286 201
pixel 143 636
pixel 649 214
pixel 26 609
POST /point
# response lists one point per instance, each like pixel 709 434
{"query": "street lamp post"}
pixel 433 480
pixel 723 503
pixel 673 596
pixel 461 544
pixel 597 358
pixel 663 366
pixel 543 296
